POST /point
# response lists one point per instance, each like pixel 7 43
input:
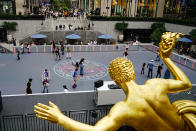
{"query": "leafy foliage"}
pixel 157 25
pixel 60 5
pixel 9 26
pixel 156 35
pixel 121 26
pixel 193 35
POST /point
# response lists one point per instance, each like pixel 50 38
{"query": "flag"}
pixel 153 1
pixel 148 1
pixel 140 1
pixel 178 1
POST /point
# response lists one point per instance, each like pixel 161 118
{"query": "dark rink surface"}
pixel 15 74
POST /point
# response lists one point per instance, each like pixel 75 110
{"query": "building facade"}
pixel 18 6
pixel 140 8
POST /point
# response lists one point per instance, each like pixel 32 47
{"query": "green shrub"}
pixel 193 35
pixel 156 35
pixel 9 26
pixel 121 26
pixel 158 25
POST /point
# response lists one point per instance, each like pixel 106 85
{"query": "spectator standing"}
pixel 22 48
pixel 81 67
pixel 158 57
pixel 159 70
pixel 62 49
pixel 150 68
pixel 68 53
pixel 167 74
pixel 143 68
pixel 18 54
pixel 58 55
pixel 125 53
pixel 28 87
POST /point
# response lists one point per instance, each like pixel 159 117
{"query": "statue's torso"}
pixel 152 109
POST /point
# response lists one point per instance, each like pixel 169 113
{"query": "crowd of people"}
pixel 58 49
pixel 73 12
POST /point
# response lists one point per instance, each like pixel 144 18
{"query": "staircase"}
pixel 6 48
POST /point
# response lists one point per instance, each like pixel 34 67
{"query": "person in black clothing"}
pixel 28 87
pixel 58 56
pixel 18 54
pixel 160 67
pixel 125 53
pixel 62 48
pixel 143 67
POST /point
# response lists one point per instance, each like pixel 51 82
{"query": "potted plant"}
pixel 10 27
pixel 120 27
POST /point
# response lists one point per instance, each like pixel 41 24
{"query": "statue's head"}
pixel 121 70
pixel 171 36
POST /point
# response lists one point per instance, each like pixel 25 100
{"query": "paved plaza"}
pixel 15 74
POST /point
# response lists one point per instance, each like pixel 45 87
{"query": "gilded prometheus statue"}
pixel 146 107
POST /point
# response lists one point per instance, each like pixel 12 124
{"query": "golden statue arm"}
pixel 53 114
pixel 182 82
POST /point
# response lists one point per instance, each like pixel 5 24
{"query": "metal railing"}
pixel 29 122
pixel 183 60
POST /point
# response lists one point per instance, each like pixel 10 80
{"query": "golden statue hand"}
pixel 49 113
pixel 166 48
pixel 167 43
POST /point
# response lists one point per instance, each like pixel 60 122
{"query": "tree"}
pixel 193 35
pixel 156 35
pixel 9 26
pixel 121 26
pixel 159 29
pixel 154 26
pixel 60 5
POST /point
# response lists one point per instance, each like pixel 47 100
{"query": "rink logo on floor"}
pixel 92 70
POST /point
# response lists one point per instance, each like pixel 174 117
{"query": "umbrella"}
pixel 185 40
pixel 105 36
pixel 36 36
pixel 73 36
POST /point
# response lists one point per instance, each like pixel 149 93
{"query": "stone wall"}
pixel 25 28
pixel 28 27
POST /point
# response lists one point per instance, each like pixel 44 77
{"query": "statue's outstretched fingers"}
pixel 43 106
pixel 45 118
pixel 40 109
pixel 41 113
pixel 52 104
